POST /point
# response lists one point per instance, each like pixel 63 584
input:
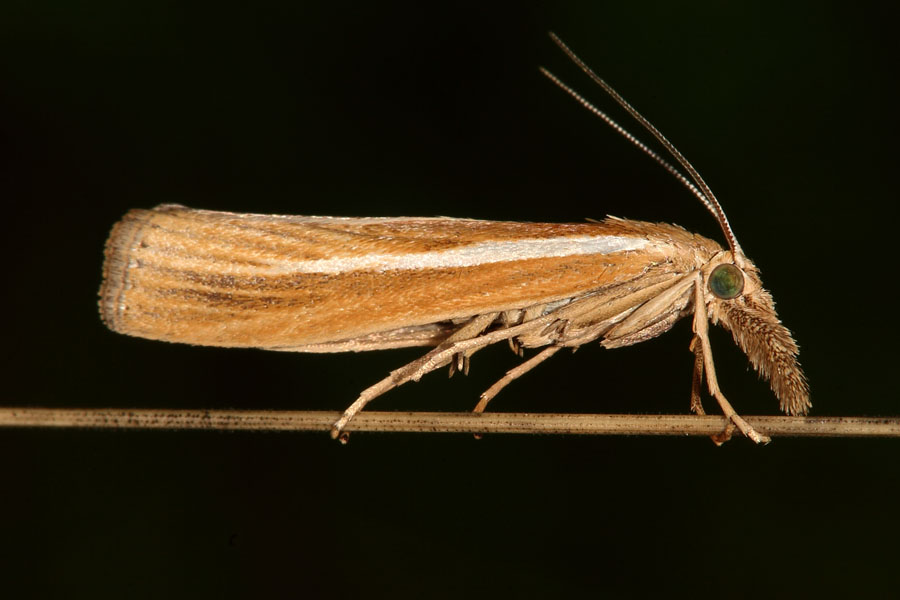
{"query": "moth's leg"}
pixel 442 355
pixel 461 361
pixel 465 340
pixel 559 331
pixel 701 331
pixel 414 370
pixel 474 328
pixel 508 318
pixel 514 374
pixel 697 383
pixel 585 336
pixel 696 386
pixel 725 435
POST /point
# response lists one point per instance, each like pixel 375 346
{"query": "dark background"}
pixel 391 109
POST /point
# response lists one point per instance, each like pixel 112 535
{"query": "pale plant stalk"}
pixel 442 422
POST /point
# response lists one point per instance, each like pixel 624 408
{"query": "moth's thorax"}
pixel 687 251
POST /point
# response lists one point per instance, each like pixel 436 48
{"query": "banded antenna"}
pixel 695 184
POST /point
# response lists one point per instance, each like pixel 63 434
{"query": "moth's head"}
pixel 736 298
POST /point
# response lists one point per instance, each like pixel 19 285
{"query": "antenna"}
pixel 701 190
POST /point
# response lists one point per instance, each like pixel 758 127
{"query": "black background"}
pixel 387 109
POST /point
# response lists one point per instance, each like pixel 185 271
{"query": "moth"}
pixel 328 284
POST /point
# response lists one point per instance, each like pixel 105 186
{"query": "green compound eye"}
pixel 726 282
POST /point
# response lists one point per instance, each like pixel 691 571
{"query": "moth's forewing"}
pixel 225 279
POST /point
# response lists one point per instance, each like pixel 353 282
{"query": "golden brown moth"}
pixel 327 284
